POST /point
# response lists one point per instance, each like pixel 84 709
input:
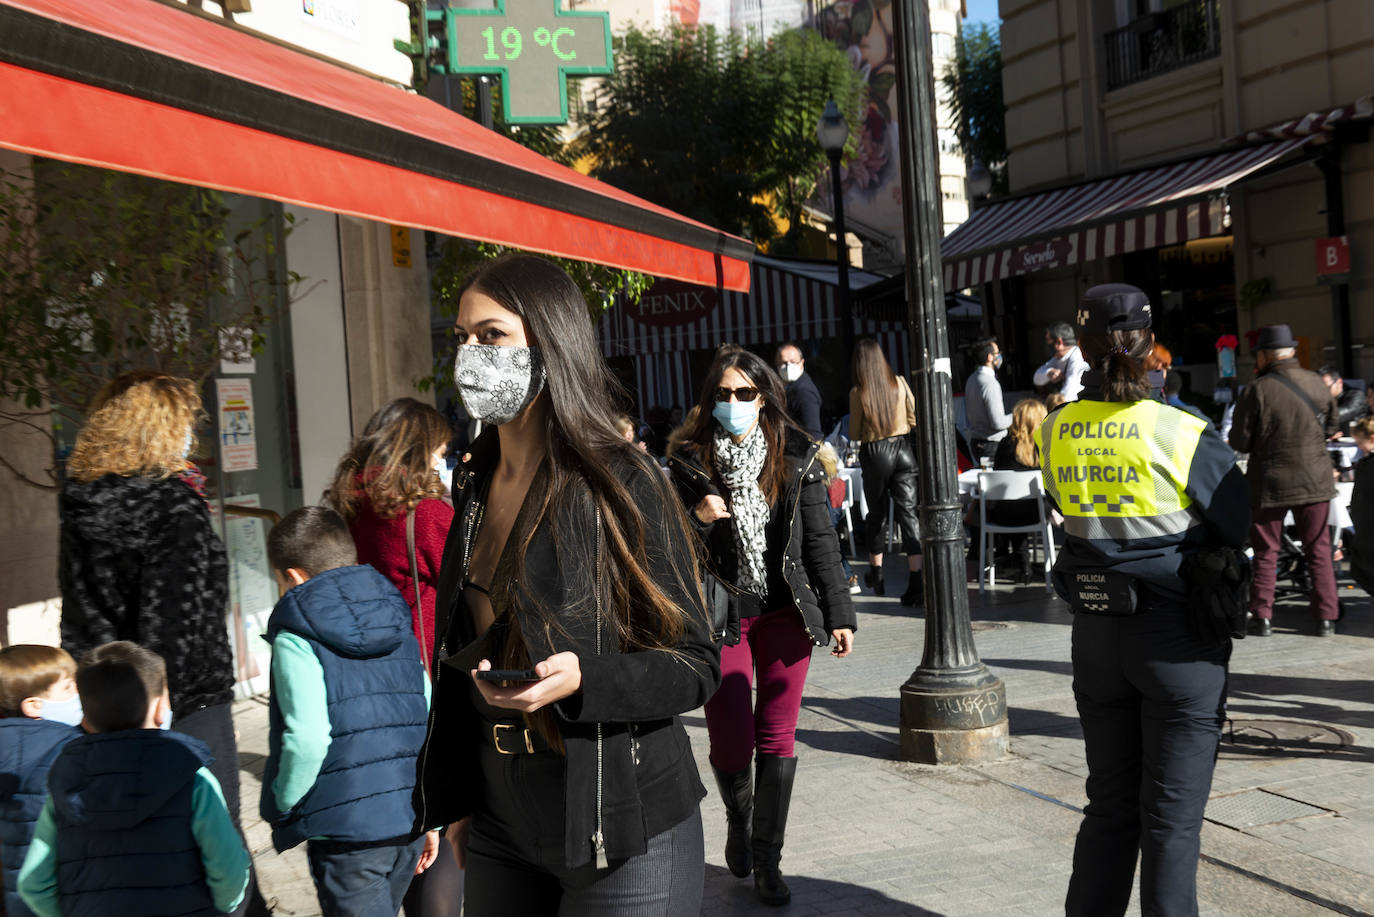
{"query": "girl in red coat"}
pixel 396 471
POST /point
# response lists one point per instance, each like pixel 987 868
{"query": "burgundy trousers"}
pixel 1310 524
pixel 776 648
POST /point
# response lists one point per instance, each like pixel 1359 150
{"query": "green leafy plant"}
pixel 720 127
pixel 1255 292
pixel 102 272
pixel 973 82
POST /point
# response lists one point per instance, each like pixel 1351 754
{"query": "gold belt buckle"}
pixel 496 738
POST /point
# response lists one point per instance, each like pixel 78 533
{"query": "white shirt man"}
pixel 987 414
pixel 1067 366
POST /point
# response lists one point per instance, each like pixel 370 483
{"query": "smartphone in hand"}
pixel 512 676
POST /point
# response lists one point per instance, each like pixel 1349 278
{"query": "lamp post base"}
pixel 954 720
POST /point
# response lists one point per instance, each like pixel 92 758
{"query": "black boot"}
pixel 874 578
pixel 737 791
pixel 915 595
pixel 772 796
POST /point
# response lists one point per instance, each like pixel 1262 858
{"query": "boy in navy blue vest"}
pixel 348 714
pixel 40 710
pixel 135 823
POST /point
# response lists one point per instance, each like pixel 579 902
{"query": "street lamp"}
pixel 953 710
pixel 833 132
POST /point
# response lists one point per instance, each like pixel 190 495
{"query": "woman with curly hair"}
pixel 140 560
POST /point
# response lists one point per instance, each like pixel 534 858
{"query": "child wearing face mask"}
pixel 134 823
pixel 41 710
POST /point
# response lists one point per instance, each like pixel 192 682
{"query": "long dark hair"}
pixel 585 451
pixel 877 385
pixel 390 462
pixel 1119 356
pixel 773 416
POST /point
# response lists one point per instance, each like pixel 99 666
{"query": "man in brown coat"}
pixel 1283 420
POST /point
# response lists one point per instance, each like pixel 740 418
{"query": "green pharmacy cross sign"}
pixel 535 47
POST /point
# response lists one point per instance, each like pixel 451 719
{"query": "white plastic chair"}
pixel 995 486
pixel 849 515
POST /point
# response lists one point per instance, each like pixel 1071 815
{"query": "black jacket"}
pixel 804 404
pixel 802 556
pixel 1351 406
pixel 648 775
pixel 140 561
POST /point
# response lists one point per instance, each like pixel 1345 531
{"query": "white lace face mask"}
pixel 497 383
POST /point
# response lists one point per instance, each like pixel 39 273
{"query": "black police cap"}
pixel 1113 307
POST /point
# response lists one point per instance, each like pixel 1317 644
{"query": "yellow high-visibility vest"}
pixel 1119 470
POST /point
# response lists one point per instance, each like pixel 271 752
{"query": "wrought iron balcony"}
pixel 1159 42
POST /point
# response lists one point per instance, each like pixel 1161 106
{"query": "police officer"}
pixel 1141 485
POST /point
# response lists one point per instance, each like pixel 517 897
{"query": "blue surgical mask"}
pixel 186 448
pixel 997 361
pixel 67 712
pixel 444 472
pixel 736 416
pixel 167 723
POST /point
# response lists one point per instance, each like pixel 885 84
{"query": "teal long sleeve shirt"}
pixel 221 852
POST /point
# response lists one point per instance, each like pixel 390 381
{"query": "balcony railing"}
pixel 1160 42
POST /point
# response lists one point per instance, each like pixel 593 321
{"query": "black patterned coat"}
pixel 140 561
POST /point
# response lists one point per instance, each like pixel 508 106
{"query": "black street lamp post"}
pixel 833 132
pixel 953 709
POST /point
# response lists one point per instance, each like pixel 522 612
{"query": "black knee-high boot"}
pixel 874 578
pixel 737 792
pixel 772 796
pixel 915 591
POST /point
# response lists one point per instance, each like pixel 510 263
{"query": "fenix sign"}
pixel 670 303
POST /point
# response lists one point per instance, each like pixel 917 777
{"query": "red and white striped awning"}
pixel 1166 205
pixel 1312 123
pixel 673 319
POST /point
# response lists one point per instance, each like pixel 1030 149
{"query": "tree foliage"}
pixel 102 272
pixel 720 127
pixel 973 80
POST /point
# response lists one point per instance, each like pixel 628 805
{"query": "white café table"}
pixel 855 478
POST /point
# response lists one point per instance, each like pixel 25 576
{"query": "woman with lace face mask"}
pixel 757 494
pixel 571 630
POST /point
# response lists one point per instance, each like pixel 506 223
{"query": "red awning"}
pixel 157 90
pixel 1166 205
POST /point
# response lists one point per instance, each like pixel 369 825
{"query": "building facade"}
pixel 1220 139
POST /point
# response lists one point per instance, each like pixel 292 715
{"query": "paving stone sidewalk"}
pixel 1290 828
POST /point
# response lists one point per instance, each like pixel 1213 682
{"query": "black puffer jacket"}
pixel 140 561
pixel 802 556
pixel 626 714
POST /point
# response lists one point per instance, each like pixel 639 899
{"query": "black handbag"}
pixel 717 604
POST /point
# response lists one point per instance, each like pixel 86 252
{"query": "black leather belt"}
pixel 513 738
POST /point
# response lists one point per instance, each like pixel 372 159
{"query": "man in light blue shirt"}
pixel 988 419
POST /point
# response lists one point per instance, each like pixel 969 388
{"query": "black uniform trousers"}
pixel 1151 698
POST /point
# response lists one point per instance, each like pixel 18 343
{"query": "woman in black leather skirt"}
pixel 569 788
pixel 882 412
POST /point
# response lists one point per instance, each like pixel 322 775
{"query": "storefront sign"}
pixel 1040 256
pixel 238 438
pixel 534 46
pixel 1333 260
pixel 670 303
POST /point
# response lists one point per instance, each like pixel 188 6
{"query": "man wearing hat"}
pixel 1283 419
pixel 1142 487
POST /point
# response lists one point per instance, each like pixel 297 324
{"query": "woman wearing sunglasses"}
pixel 757 495
pixel 882 411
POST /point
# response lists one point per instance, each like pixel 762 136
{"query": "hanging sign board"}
pixel 1333 260
pixel 534 46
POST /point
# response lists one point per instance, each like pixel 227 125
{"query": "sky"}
pixel 981 11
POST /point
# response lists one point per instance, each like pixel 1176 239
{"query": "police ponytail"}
pixel 1118 356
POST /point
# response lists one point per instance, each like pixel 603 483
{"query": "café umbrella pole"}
pixel 953 709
